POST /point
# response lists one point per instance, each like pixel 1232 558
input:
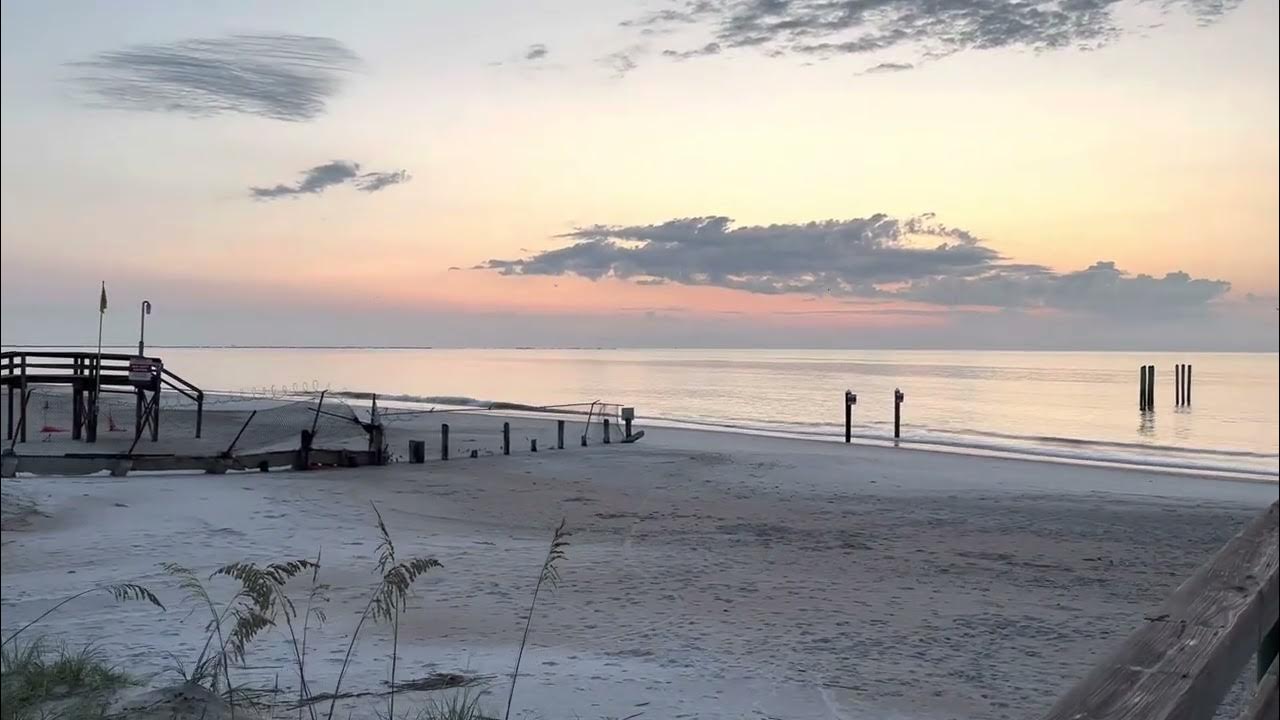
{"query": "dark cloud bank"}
pixel 322 177
pixel 282 77
pixel 915 259
pixel 925 29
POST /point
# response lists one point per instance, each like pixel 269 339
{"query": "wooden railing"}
pixel 1182 662
pixel 85 371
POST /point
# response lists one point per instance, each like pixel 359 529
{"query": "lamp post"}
pixel 142 329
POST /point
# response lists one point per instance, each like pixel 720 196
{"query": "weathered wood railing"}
pixel 1182 662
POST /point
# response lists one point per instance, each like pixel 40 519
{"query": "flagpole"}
pixel 97 389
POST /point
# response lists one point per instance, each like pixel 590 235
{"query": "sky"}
pixel 1090 174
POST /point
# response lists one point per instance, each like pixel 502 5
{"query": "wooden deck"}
pixel 1188 654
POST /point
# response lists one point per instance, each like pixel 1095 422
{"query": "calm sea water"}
pixel 1048 404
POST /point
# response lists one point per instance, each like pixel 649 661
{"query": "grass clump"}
pixel 34 674
pixel 462 705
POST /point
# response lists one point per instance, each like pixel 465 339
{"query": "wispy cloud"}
pixel 623 61
pixel 913 259
pixel 322 177
pixel 927 28
pixel 536 51
pixel 282 77
pixel 887 67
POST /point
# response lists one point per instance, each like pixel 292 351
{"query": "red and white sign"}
pixel 141 371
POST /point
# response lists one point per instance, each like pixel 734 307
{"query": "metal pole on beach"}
pixel 144 311
pixel 97 383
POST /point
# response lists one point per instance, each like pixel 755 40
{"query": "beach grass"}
pixel 36 673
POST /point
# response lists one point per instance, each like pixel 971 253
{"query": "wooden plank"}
pixel 1184 660
pixel 1266 702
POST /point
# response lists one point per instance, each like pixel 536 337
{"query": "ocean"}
pixel 1073 406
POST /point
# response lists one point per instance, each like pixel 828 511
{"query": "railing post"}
pixel 22 389
pixel 8 417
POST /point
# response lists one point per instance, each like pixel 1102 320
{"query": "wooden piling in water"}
pixel 1142 388
pixel 444 441
pixel 506 438
pixel 1151 387
pixel 1178 384
pixel 1186 394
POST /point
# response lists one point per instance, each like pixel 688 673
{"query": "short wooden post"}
pixel 559 434
pixel 898 397
pixel 302 460
pixel 628 414
pixel 417 452
pixel 1187 392
pixel 444 441
pixel 506 438
pixel 606 431
pixel 533 444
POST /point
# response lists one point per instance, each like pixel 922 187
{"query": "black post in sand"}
pixel 444 441
pixel 506 438
pixel 606 431
pixel 559 434
pixel 849 401
pixel 898 397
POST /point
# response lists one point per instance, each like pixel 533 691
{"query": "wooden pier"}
pixel 87 375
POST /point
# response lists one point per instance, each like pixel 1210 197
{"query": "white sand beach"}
pixel 710 575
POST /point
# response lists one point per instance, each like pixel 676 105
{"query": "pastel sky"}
pixel 818 173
